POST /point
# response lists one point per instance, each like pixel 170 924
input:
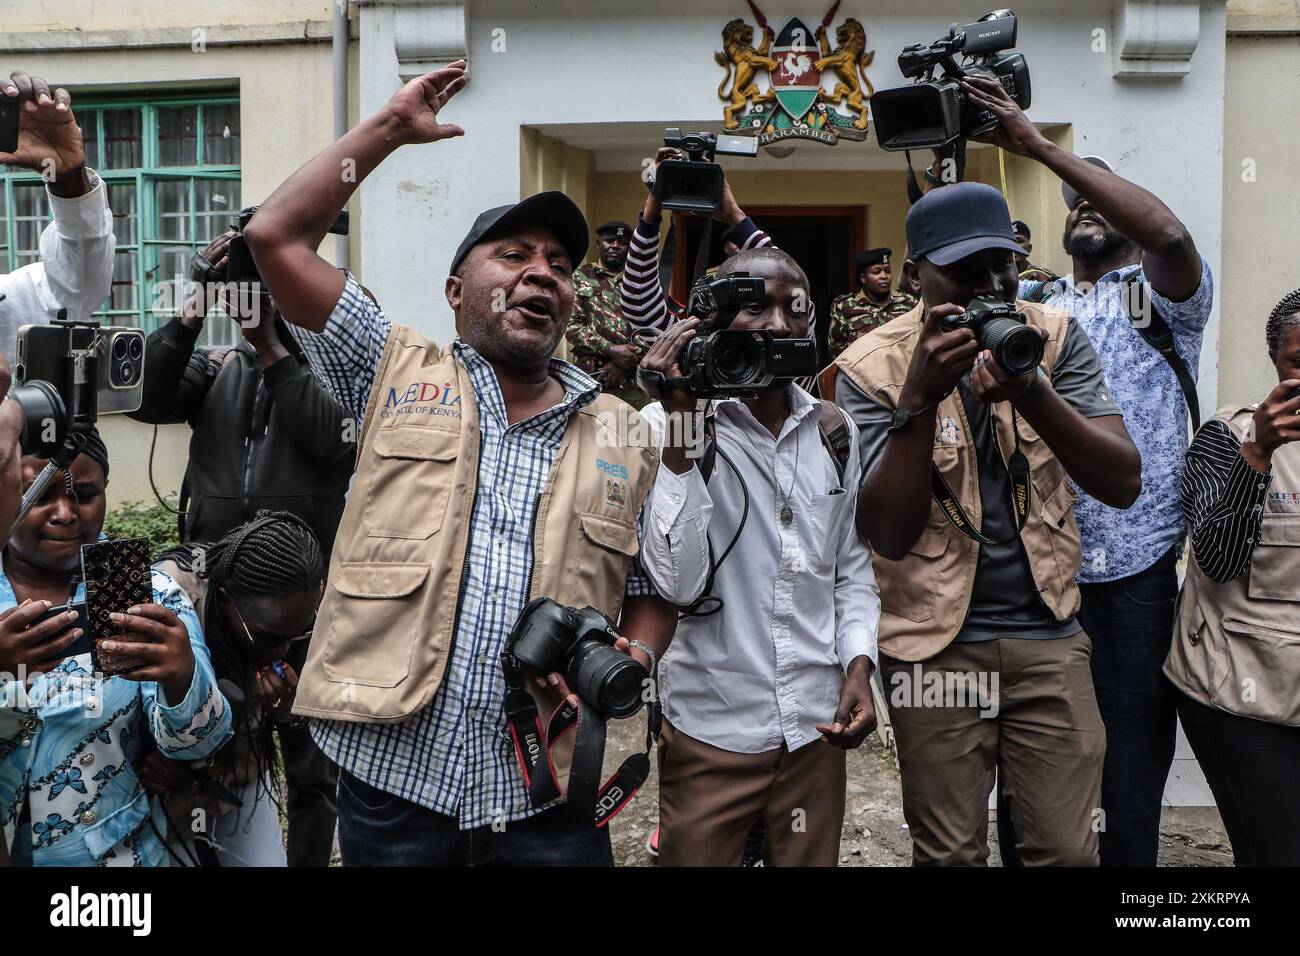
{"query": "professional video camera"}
pixel 694 184
pixel 1000 329
pixel 726 362
pixel 550 637
pixel 240 266
pixel 933 113
pixel 68 373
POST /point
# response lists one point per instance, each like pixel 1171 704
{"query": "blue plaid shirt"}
pixel 455 756
pixel 1117 544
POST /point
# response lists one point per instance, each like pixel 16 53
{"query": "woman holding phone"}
pixel 1236 651
pixel 69 793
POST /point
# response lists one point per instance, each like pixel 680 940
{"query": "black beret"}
pixel 621 229
pixel 874 257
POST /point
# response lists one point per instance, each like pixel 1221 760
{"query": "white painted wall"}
pixel 621 60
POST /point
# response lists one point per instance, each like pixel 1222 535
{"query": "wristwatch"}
pixel 899 417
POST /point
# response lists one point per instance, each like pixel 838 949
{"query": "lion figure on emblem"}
pixel 742 62
pixel 849 58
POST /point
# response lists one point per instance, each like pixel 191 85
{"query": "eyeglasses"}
pixel 265 643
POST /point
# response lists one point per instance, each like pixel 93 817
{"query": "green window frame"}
pixel 171 164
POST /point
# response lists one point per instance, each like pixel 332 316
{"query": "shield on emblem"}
pixel 796 79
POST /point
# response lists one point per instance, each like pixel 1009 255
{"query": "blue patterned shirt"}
pixel 1117 544
pixel 455 756
pixel 70 741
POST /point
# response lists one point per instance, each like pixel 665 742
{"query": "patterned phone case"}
pixel 117 577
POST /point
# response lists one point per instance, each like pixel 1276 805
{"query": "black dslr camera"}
pixel 580 645
pixel 240 267
pixel 932 112
pixel 694 184
pixel 999 328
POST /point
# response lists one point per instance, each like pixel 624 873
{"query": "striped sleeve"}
pixel 642 295
pixel 1223 501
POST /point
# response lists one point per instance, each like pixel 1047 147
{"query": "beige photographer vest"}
pixel 1237 645
pixel 387 621
pixel 925 596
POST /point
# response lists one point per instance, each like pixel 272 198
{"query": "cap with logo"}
pixel 874 257
pixel 1021 228
pixel 956 221
pixel 551 209
pixel 615 228
pixel 1069 193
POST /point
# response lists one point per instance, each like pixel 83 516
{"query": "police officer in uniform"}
pixel 856 313
pixel 1028 271
pixel 598 334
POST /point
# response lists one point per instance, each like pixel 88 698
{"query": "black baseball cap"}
pixel 953 222
pixel 552 209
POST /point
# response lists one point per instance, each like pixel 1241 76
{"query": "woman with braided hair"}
pixel 1236 652
pixel 256 591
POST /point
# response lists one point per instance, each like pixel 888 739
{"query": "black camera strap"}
pixel 1017 467
pixel 587 798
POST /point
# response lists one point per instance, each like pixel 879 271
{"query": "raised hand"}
pixel 415 106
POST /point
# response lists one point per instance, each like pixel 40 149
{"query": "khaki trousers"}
pixel 709 800
pixel 1041 730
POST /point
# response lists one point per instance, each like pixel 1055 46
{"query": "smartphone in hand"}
pixel 9 120
pixel 82 645
pixel 117 577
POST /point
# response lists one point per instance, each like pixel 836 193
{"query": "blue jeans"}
pixel 377 828
pixel 1131 623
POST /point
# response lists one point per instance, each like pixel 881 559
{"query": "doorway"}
pixel 824 240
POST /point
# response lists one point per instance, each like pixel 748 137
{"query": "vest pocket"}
pixel 1276 562
pixel 1263 661
pixel 372 622
pixel 1067 548
pixel 908 590
pixel 408 489
pixel 607 546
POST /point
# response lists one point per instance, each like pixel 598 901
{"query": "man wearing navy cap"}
pixel 598 332
pixel 966 504
pixel 463 508
pixel 872 305
pixel 1143 294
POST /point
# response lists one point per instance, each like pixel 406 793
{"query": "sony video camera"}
pixel 734 362
pixel 933 113
pixel 580 645
pixel 69 373
pixel 694 184
pixel 999 328
pixel 240 266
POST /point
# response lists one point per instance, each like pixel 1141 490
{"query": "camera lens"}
pixel 735 359
pixel 125 373
pixel 135 347
pixel 606 679
pixel 119 347
pixel 45 417
pixel 1017 348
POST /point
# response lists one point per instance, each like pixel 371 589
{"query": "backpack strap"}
pixel 836 437
pixel 1150 324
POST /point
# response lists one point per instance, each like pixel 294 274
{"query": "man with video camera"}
pixel 1142 293
pixel 76 267
pixel 488 477
pixel 976 411
pixel 768 681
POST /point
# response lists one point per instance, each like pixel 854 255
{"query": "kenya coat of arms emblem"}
pixel 799 64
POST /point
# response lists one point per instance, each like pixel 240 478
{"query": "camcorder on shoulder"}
pixel 1016 346
pixel 934 112
pixel 694 184
pixel 578 643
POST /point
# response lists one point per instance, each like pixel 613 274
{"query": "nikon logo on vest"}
pixel 422 398
pixel 75 909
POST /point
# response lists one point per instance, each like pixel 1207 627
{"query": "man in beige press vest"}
pixel 984 665
pixel 487 475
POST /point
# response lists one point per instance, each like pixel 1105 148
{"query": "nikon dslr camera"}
pixel 933 113
pixel 999 328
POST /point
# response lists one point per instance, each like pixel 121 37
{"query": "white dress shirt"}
pixel 800 601
pixel 75 271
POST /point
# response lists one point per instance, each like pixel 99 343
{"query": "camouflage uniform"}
pixel 853 314
pixel 1035 273
pixel 597 323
